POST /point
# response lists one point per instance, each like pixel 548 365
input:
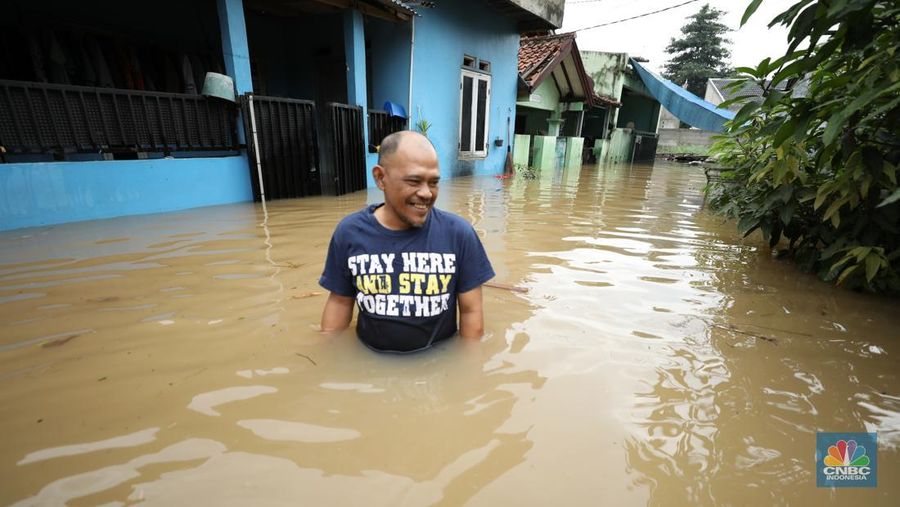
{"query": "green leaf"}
pixel 794 69
pixel 847 272
pixel 835 126
pixel 744 114
pixel 890 199
pixel 820 198
pixel 861 252
pixel 883 109
pixel 890 171
pixel 833 208
pixel 787 58
pixel 873 264
pixel 747 225
pixel 786 17
pixel 864 187
pixel 750 10
pixel 786 213
pixel 784 132
pixel 802 27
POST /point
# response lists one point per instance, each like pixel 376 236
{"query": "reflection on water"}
pixel 653 358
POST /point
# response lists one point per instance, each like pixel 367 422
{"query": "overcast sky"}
pixel 648 37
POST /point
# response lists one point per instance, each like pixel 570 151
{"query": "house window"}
pixel 484 66
pixel 468 61
pixel 474 99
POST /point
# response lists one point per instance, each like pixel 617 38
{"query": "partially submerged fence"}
pixel 40 118
pixel 383 124
pixel 348 152
pixel 285 139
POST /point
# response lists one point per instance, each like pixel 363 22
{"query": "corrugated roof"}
pixel 404 6
pixel 752 88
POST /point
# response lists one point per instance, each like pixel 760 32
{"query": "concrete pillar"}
pixel 601 150
pixel 544 152
pixel 521 148
pixel 235 50
pixel 574 148
pixel 554 122
pixel 355 56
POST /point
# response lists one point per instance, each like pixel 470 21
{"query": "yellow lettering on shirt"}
pixel 417 279
pixel 434 287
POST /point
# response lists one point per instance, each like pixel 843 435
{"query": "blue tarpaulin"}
pixel 686 106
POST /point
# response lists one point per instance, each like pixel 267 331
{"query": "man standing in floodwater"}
pixel 404 263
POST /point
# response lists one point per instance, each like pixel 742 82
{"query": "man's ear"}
pixel 378 176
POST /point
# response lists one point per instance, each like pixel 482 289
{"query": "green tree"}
pixel 819 166
pixel 700 52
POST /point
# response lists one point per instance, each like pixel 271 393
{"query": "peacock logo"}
pixel 846 460
pixel 846 453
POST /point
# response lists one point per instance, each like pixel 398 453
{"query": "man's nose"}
pixel 424 191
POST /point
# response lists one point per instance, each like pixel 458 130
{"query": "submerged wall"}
pixel 33 194
pixel 685 137
pixel 618 148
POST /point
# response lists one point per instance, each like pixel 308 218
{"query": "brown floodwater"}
pixel 656 358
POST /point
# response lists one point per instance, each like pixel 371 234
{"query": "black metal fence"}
pixel 645 146
pixel 381 125
pixel 40 118
pixel 348 168
pixel 286 141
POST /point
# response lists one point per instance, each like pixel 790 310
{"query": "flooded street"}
pixel 654 358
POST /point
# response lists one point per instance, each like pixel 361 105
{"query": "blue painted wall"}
pixel 388 50
pixel 56 192
pixel 443 35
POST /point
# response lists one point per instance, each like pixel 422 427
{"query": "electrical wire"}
pixel 633 17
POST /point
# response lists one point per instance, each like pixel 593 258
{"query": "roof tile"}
pixel 536 53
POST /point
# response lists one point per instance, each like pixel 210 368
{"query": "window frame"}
pixel 476 77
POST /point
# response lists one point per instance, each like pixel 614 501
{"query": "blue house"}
pixel 102 112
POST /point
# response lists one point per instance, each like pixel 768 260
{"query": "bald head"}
pixel 410 143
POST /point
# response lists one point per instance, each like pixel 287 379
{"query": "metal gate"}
pixel 347 169
pixel 644 148
pixel 282 133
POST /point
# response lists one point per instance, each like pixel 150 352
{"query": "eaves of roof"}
pixel 541 56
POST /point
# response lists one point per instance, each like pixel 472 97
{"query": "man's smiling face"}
pixel 409 177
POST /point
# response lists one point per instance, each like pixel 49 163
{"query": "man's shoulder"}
pixel 353 220
pixel 451 220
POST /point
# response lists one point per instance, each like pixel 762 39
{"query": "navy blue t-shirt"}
pixel 405 282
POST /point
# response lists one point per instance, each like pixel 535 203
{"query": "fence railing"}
pixel 347 148
pixel 382 124
pixel 40 118
pixel 644 148
pixel 287 144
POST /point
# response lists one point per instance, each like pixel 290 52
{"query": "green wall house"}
pixel 554 95
pixel 627 132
